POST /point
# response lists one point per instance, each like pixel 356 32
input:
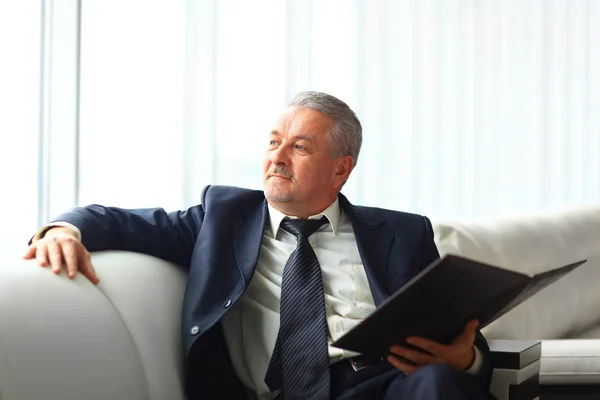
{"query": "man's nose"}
pixel 280 156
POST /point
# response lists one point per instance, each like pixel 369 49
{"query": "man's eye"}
pixel 272 143
pixel 299 147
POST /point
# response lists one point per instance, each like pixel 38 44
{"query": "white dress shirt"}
pixel 251 324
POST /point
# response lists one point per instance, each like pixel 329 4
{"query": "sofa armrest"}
pixel 73 340
pixel 516 366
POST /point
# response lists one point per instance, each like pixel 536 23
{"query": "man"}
pixel 276 276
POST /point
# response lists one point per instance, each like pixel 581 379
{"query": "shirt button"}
pixel 195 330
pixel 227 304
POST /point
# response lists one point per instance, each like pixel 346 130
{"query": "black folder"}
pixel 440 300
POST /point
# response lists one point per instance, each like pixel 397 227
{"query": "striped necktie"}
pixel 299 366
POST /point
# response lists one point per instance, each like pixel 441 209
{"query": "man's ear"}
pixel 344 168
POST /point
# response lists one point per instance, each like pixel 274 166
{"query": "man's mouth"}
pixel 278 176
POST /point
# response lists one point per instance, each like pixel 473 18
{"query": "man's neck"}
pixel 333 213
pixel 292 210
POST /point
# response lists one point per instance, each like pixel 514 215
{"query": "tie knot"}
pixel 304 227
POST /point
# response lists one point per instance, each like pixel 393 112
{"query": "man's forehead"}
pixel 297 135
pixel 299 119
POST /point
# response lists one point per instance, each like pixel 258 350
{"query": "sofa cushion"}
pixel 593 333
pixel 572 362
pixel 533 244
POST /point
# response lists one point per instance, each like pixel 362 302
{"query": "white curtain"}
pixel 470 108
pixel 19 122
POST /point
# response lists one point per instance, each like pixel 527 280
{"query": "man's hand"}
pixel 459 354
pixel 60 246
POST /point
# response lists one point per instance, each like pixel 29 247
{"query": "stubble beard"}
pixel 277 195
pixel 274 192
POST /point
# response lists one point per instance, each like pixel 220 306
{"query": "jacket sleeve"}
pixel 170 236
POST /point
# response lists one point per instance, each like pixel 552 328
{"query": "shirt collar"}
pixel 333 214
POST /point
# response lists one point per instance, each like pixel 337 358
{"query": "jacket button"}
pixel 227 304
pixel 195 330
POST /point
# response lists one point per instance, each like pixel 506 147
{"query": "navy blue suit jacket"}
pixel 219 241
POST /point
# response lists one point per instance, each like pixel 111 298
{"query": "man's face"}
pixel 298 172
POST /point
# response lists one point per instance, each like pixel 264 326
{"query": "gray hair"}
pixel 345 137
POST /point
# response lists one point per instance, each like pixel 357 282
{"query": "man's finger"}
pixel 30 253
pixel 403 366
pixel 55 256
pixel 70 255
pixel 429 346
pixel 41 255
pixel 87 269
pixel 471 326
pixel 416 356
pixel 468 333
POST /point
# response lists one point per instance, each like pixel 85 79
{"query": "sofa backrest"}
pixel 62 339
pixel 533 244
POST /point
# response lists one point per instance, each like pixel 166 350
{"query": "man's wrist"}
pixel 473 357
pixel 43 231
pixel 59 230
pixel 476 364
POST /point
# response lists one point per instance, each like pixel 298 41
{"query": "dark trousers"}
pixel 384 382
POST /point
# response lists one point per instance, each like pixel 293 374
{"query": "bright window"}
pixel 131 121
pixel 20 23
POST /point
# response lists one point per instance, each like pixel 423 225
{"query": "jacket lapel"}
pixel 247 237
pixel 374 240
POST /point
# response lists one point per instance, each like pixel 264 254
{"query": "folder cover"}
pixel 441 299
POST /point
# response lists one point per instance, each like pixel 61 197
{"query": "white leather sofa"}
pixel 62 339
